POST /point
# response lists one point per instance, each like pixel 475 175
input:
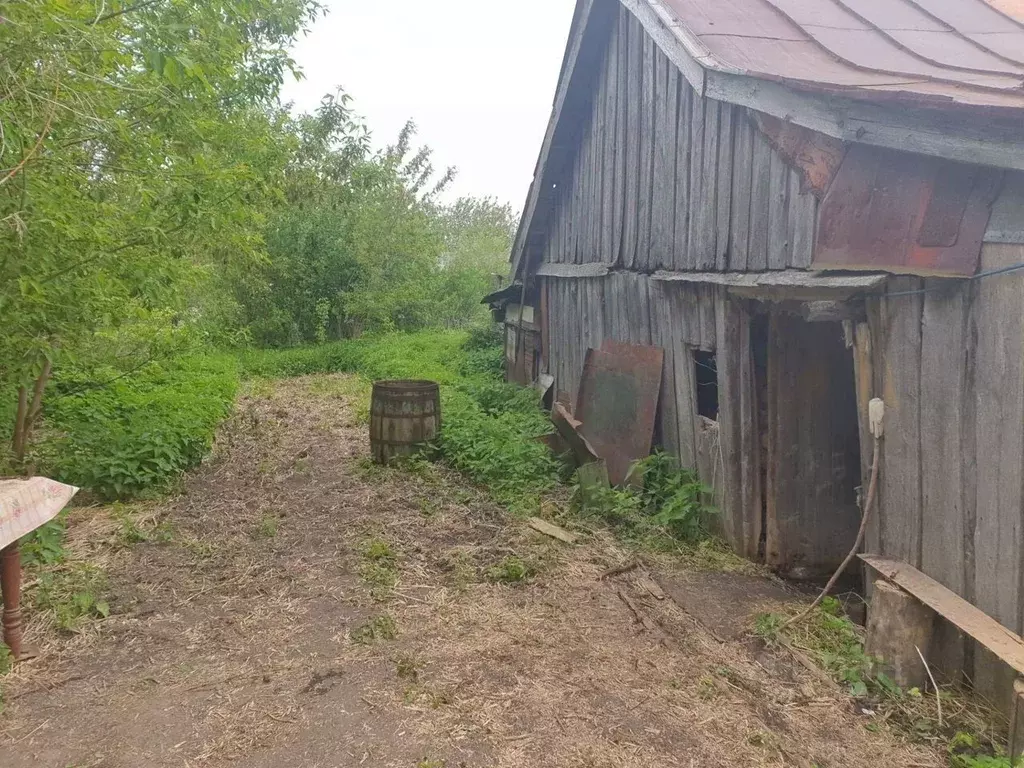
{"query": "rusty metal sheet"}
pixel 905 213
pixel 816 156
pixel 618 403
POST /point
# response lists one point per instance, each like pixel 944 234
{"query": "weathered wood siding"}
pixel 662 179
pixel 949 364
pixel 679 317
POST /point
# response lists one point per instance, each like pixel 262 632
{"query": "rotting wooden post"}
pixel 1017 723
pixel 10 586
pixel 898 624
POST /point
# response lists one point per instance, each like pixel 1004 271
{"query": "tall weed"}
pixel 139 433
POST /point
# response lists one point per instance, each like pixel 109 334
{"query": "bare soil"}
pixel 242 639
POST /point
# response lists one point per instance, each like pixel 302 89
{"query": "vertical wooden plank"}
pixel 724 187
pixel 661 336
pixel 900 474
pixel 703 224
pixel 695 258
pixel 740 442
pixel 760 203
pixel 634 95
pixel 621 112
pixel 609 219
pixel 597 166
pixel 708 318
pixel 803 216
pixel 644 203
pixel 685 394
pixel 870 341
pixel 943 395
pixel 779 245
pixel 681 255
pixel 586 252
pixel 999 434
pixel 742 179
pixel 663 213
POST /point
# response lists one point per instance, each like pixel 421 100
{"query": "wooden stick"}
pixel 938 698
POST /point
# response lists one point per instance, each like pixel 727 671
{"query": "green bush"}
pixel 139 433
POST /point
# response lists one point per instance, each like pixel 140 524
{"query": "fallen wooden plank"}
pixel 1003 643
pixel 552 530
pixel 651 586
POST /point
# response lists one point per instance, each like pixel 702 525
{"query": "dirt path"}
pixel 260 634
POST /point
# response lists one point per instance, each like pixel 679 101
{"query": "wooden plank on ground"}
pixel 1006 645
pixel 552 530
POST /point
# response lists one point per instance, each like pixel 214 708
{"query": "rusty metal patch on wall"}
pixel 905 213
pixel 618 403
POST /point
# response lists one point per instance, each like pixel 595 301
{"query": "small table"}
pixel 25 505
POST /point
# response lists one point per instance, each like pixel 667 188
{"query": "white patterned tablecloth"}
pixel 27 504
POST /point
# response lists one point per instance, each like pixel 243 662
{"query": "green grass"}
pixel 489 430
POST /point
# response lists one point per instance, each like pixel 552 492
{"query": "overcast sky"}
pixel 478 77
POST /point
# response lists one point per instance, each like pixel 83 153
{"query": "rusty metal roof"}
pixel 967 52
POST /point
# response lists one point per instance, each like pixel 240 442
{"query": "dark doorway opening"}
pixel 813 467
pixel 706 376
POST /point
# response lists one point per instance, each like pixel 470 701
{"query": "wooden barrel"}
pixel 404 417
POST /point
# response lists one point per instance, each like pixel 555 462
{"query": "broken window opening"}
pixel 706 368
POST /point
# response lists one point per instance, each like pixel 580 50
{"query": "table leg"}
pixel 10 585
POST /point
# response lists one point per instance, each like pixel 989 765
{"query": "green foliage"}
pixel 72 594
pixel 661 501
pixel 677 498
pixel 44 546
pixel 966 751
pixel 838 645
pixel 378 628
pixel 140 432
pixel 379 567
pixel 511 569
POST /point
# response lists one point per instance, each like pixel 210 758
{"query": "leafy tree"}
pixel 134 159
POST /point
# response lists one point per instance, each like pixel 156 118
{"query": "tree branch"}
pixel 126 9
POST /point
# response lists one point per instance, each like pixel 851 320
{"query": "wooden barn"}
pixel 807 204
